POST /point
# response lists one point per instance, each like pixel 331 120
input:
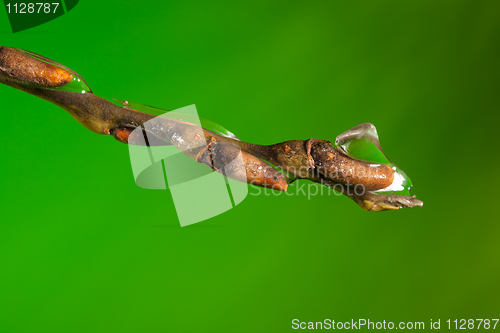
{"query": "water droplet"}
pixel 362 143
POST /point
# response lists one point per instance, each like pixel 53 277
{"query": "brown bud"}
pixel 25 69
pixel 334 164
pixel 239 165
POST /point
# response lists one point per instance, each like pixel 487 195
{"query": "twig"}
pixel 312 159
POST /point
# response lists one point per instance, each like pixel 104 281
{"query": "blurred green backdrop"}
pixel 83 249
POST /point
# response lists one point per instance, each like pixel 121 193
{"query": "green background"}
pixel 83 249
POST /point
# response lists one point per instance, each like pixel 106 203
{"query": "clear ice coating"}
pixel 361 142
pixel 205 123
pixel 77 84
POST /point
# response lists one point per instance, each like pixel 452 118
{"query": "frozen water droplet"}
pixel 362 143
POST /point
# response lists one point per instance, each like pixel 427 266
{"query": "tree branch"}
pixel 312 159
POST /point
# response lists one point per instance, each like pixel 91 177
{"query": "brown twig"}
pixel 312 159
